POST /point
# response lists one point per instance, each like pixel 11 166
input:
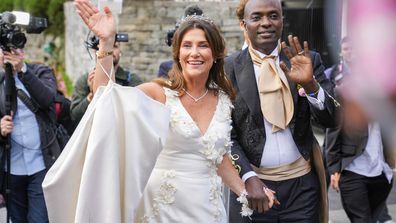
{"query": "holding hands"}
pixel 301 71
pixel 260 197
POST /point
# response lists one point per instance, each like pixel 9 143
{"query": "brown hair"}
pixel 240 10
pixel 217 79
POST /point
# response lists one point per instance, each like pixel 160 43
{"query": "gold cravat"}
pixel 275 97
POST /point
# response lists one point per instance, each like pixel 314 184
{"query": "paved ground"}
pixel 337 213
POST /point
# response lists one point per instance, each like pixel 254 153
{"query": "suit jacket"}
pixel 343 146
pixel 248 134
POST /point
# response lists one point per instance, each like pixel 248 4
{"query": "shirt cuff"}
pixel 248 175
pixel 319 101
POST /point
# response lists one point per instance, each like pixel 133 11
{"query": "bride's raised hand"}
pixel 102 25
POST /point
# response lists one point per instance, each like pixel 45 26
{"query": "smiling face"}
pixel 195 54
pixel 263 22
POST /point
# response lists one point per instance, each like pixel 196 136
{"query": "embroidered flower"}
pixel 245 210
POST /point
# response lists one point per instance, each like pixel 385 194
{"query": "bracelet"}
pixel 101 54
pixel 245 210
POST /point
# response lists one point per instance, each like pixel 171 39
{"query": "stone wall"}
pixel 147 23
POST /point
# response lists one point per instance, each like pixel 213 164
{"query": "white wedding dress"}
pixel 184 185
pixel 103 171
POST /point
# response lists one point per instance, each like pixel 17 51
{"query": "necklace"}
pixel 199 98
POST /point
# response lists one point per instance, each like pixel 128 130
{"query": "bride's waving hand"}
pixel 104 27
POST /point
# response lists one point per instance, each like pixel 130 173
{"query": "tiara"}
pixel 194 17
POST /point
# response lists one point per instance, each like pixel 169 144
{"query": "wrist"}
pixel 106 45
pixel 311 88
pixel 242 199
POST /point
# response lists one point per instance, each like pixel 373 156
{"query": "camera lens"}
pixel 16 40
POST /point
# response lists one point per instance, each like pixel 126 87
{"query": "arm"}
pixel 40 82
pixel 333 156
pixel 104 27
pixel 302 72
pixel 325 116
pixel 231 178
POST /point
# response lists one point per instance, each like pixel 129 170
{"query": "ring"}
pixel 301 52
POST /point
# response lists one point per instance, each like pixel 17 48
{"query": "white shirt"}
pixel 371 162
pixel 280 148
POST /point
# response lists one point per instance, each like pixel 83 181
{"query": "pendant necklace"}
pixel 199 98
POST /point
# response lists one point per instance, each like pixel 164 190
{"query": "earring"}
pixel 214 61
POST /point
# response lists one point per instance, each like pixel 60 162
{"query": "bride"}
pixel 185 184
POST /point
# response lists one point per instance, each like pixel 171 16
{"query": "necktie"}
pixel 275 97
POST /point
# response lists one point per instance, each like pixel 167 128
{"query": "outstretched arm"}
pixel 104 27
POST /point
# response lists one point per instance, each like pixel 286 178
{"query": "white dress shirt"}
pixel 371 162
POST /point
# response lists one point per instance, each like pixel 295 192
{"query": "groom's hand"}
pixel 257 198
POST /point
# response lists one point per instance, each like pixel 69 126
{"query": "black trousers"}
pixel 299 200
pixel 363 198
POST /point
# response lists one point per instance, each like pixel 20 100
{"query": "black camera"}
pixel 11 26
pixel 93 41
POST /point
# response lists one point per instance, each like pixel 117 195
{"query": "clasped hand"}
pixel 259 196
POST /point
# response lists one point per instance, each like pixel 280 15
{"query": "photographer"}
pixel 33 148
pixel 82 94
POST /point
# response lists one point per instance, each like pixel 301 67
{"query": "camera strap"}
pixel 27 100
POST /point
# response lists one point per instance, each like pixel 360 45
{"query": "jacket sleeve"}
pixel 240 161
pixel 40 82
pixel 325 117
pixel 79 102
pixel 333 149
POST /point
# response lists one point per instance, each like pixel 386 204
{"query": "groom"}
pixel 279 91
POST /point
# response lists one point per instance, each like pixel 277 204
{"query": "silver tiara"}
pixel 194 18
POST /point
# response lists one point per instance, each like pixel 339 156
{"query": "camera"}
pixel 93 41
pixel 12 25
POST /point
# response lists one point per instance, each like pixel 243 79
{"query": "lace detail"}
pixel 213 145
pixel 165 195
pixel 216 144
pixel 178 121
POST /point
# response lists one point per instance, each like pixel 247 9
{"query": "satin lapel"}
pixel 246 82
pixel 292 85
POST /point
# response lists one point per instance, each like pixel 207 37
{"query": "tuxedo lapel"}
pixel 246 82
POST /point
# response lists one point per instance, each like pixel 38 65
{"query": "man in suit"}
pixel 272 136
pixel 359 161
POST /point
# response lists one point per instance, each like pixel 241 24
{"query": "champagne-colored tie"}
pixel 275 97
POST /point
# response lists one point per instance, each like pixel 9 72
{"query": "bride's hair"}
pixel 217 79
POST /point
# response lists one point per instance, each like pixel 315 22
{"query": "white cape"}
pixel 102 172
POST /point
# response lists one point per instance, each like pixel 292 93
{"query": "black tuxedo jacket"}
pixel 248 134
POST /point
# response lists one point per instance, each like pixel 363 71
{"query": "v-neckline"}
pixel 202 134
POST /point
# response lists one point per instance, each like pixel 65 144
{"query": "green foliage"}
pixel 56 17
pixel 36 8
pixel 19 5
pixel 6 5
pixel 53 11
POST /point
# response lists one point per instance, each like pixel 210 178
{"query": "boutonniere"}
pixel 301 91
